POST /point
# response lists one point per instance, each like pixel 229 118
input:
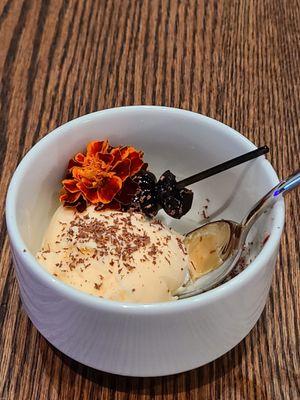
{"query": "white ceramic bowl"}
pixel 152 339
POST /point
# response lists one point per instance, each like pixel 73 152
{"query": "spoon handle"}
pixel 288 184
pixel 270 198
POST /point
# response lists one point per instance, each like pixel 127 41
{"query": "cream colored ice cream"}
pixel 116 255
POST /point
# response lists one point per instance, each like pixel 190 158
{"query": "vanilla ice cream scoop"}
pixel 116 255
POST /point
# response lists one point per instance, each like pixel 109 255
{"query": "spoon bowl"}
pixel 215 248
pixel 221 253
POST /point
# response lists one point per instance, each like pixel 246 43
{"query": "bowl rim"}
pixel 213 295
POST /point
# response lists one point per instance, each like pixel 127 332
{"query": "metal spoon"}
pixel 228 248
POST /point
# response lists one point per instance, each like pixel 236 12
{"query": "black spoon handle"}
pixel 223 167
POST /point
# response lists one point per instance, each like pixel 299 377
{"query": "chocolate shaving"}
pixel 97 286
pixel 180 244
pixel 129 267
pixel 265 239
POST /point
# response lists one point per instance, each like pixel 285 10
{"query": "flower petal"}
pixel 136 158
pixel 133 153
pixel 69 197
pixel 130 152
pixel 96 147
pixel 90 194
pixel 109 188
pixel 70 185
pixel 72 163
pixel 88 183
pixel 117 155
pixel 106 157
pixel 79 158
pixel 122 169
pixel 136 165
pixel 124 152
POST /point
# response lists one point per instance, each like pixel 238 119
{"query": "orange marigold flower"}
pixel 98 176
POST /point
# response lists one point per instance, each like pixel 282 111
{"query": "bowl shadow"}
pixel 151 386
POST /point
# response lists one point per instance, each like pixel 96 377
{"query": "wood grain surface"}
pixel 236 61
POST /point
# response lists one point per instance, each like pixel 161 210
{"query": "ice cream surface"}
pixel 116 255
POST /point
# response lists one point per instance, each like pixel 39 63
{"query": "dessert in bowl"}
pixel 115 255
pixel 148 339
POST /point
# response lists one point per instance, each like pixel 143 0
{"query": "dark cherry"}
pixel 186 197
pixel 176 202
pixel 172 207
pixel 145 180
pixel 145 201
pixel 151 195
pixel 150 209
pixel 166 185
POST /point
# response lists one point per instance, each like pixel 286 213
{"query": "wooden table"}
pixel 236 61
